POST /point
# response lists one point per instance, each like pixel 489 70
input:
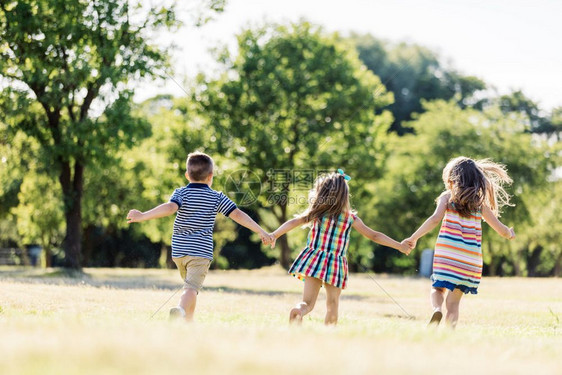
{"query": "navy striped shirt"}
pixel 193 228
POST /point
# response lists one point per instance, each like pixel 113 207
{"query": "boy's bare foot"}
pixel 435 318
pixel 295 317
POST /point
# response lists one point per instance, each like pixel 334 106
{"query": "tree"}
pixel 39 212
pixel 443 131
pixel 294 100
pixel 150 171
pixel 556 122
pixel 517 103
pixel 414 73
pixel 75 58
pixel 18 154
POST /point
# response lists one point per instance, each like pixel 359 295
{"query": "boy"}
pixel 192 241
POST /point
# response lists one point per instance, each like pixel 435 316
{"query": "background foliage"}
pixel 289 98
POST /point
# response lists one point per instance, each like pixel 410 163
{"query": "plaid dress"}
pixel 324 256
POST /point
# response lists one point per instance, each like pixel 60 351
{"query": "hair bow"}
pixel 346 177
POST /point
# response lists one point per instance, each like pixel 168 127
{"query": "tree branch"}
pixel 90 96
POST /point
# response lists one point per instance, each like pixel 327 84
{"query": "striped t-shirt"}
pixel 193 228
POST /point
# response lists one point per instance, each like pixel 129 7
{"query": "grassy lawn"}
pixel 99 323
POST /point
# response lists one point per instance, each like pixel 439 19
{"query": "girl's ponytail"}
pixel 496 178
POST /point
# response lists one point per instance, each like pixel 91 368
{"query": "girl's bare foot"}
pixel 295 316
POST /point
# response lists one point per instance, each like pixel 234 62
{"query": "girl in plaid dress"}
pixel 323 260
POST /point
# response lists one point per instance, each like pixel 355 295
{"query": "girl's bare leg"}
pixel 453 302
pixel 309 295
pixel 436 297
pixel 332 304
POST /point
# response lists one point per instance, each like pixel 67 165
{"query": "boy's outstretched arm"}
pixel 378 237
pixel 431 222
pixel 243 219
pixel 502 229
pixel 165 209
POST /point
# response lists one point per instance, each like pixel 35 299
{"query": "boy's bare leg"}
pixel 188 301
pixel 309 295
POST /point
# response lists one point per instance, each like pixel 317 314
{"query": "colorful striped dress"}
pixel 457 261
pixel 324 256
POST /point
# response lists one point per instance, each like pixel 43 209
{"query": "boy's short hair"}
pixel 199 166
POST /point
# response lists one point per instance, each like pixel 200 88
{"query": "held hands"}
pixel 274 239
pixel 404 248
pixel 407 245
pixel 267 239
pixel 410 242
pixel 134 216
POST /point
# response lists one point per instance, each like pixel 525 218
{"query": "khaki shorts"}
pixel 192 270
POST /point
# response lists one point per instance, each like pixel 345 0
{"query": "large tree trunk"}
pixel 72 188
pixel 88 248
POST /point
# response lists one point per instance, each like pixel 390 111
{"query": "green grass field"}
pixel 100 323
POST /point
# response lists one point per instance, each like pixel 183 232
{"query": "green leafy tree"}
pixel 293 99
pixel 156 166
pixel 556 122
pixel 18 154
pixel 74 58
pixel 537 120
pixel 39 213
pixel 414 73
pixel 518 104
pixel 443 131
pixel 11 176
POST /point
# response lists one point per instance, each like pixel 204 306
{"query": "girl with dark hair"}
pixel 474 191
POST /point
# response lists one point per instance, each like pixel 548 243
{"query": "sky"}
pixel 510 44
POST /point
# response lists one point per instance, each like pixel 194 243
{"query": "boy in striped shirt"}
pixel 192 240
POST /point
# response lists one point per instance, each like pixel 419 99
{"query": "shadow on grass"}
pixel 395 316
pixel 270 293
pixel 62 276
pixel 234 290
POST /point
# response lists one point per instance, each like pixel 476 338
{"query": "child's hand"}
pixel 266 238
pixel 511 234
pixel 410 242
pixel 273 240
pixel 404 248
pixel 134 216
